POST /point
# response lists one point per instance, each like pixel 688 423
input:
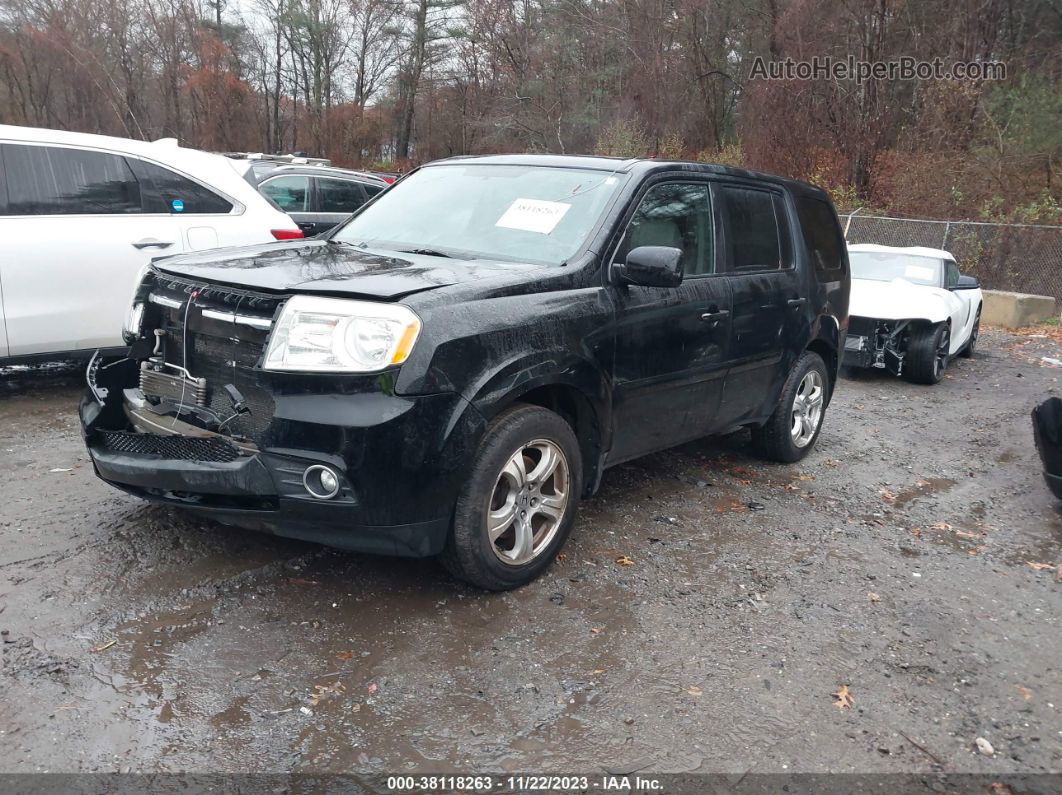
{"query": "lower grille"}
pixel 183 448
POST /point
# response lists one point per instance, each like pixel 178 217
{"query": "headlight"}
pixel 133 320
pixel 337 335
pixel 135 315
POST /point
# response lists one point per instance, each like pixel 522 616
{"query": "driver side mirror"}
pixel 651 266
pixel 966 283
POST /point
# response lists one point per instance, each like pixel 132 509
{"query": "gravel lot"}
pixel 893 561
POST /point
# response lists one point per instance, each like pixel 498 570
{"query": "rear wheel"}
pixel 792 429
pixel 518 505
pixel 968 350
pixel 927 353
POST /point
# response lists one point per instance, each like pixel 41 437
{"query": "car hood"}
pixel 318 266
pixel 897 300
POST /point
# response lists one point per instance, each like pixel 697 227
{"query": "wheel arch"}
pixel 827 344
pixel 568 386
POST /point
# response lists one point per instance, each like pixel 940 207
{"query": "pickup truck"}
pixel 452 369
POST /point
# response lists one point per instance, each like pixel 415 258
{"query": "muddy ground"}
pixel 894 560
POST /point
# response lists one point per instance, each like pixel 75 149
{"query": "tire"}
pixel 927 353
pixel 778 439
pixel 516 444
pixel 968 349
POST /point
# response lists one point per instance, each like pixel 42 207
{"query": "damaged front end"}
pixel 189 417
pixel 876 343
pixel 186 396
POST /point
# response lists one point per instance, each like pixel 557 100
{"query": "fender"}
pixel 548 378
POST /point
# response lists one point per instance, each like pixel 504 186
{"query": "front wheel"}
pixel 517 508
pixel 927 353
pixel 792 429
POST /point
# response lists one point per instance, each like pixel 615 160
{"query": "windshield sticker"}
pixel 918 272
pixel 533 215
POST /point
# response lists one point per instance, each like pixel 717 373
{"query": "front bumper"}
pixel 399 459
pixel 872 343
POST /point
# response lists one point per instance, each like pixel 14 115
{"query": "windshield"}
pixel 884 267
pixel 518 213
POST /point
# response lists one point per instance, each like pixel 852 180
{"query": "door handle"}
pixel 715 316
pixel 150 242
pixel 795 302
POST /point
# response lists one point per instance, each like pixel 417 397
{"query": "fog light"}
pixel 321 482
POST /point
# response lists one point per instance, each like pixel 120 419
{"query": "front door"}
pixel 767 304
pixel 670 356
pixel 960 307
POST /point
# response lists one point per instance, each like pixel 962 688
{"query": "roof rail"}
pixel 293 159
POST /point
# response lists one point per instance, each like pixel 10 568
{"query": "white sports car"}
pixel 911 311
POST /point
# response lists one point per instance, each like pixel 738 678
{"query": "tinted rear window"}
pixel 339 195
pixel 752 239
pixel 51 180
pixel 823 237
pixel 168 192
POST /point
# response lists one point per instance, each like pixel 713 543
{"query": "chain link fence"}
pixel 1024 258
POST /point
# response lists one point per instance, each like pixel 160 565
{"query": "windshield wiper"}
pixel 427 252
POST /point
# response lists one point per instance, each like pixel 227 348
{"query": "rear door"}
pixel 336 200
pixel 200 213
pixel 73 237
pixel 768 307
pixel 670 355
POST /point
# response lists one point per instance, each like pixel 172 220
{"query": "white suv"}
pixel 81 215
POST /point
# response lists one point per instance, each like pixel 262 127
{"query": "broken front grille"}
pixel 223 344
pixel 184 448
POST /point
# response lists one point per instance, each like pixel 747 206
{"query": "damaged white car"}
pixel 911 311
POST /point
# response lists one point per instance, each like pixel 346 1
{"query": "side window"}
pixel 173 193
pixel 372 189
pixel 823 238
pixel 752 230
pixel 951 273
pixel 51 180
pixel 339 195
pixel 676 215
pixel 291 194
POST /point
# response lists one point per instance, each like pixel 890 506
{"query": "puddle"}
pixel 922 488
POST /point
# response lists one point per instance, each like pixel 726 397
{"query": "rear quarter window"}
pixel 823 237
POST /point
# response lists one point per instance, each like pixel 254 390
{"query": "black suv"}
pixel 452 369
pixel 316 197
